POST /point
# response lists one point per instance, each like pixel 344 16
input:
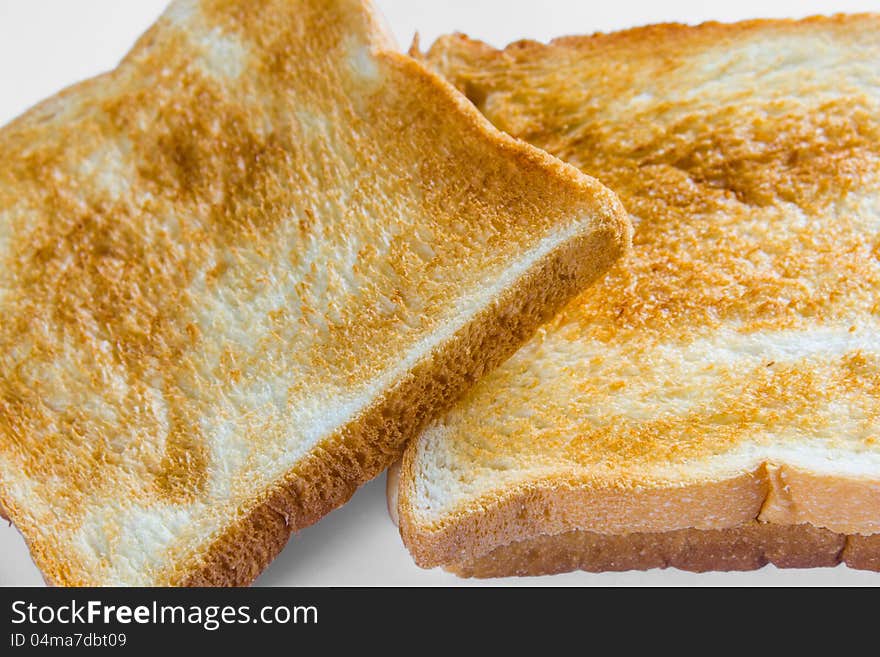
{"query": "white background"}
pixel 48 44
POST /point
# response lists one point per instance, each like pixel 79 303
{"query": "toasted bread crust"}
pixel 775 495
pixel 373 443
pixel 644 38
pixel 746 547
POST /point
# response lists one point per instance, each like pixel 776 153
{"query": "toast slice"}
pixel 726 373
pixel 239 271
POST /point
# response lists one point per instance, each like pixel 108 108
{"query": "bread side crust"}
pixel 557 505
pixel 645 37
pixel 746 547
pixel 392 488
pixel 780 495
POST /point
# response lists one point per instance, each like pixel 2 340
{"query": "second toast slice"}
pixel 721 387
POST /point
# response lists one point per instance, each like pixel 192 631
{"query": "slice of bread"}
pixel 728 371
pixel 239 271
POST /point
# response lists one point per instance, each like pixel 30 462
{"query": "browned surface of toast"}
pixel 240 270
pixel 728 369
pixel 368 447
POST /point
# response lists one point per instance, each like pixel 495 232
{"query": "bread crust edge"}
pixel 781 495
pixel 749 546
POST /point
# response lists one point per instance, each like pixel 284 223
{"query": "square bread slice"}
pixel 239 271
pixel 721 387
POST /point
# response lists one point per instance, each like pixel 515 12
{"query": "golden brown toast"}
pixel 727 371
pixel 239 271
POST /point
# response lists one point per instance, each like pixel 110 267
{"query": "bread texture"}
pixel 725 373
pixel 238 272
